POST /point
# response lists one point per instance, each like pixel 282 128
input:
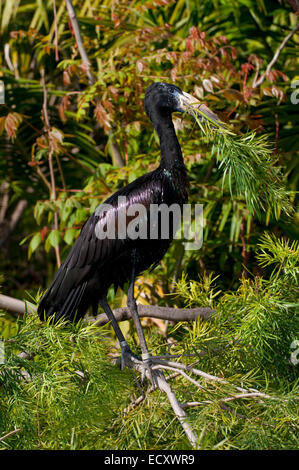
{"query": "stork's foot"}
pixel 143 364
pixel 147 369
pixel 126 355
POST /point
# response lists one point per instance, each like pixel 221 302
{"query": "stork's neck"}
pixel 171 154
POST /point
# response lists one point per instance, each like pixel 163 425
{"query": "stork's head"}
pixel 166 98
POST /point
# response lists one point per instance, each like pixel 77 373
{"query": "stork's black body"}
pixel 94 264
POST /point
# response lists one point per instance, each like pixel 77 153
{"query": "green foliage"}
pixel 262 314
pixel 129 46
pixel 245 162
pixel 65 394
pixel 280 254
pixel 246 180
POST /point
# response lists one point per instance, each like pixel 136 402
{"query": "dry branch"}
pixel 257 82
pixel 51 153
pixel 15 306
pixel 158 377
pixel 79 41
pixel 10 434
pixel 153 311
pixel 4 193
pixel 7 227
pixel 113 147
pixel 19 307
pixel 153 370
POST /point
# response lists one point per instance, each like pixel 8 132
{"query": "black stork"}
pixel 96 262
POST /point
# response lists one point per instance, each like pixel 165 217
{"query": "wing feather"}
pixel 90 252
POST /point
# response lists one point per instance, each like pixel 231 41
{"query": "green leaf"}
pixel 70 235
pixel 54 238
pixel 65 213
pixel 34 243
pixel 81 215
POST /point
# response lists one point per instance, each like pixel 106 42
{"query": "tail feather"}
pixel 69 309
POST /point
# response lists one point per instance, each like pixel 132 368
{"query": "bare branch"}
pixel 11 225
pixel 178 410
pixel 181 372
pixel 51 152
pixel 79 41
pixel 258 82
pixel 56 31
pixel 17 213
pixel 19 307
pixel 15 306
pixel 43 178
pixel 209 377
pixel 157 376
pixel 143 396
pixel 154 311
pixel 10 434
pixel 116 156
pixel 7 57
pixel 4 193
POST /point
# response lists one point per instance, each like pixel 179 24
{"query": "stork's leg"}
pixel 123 344
pixel 132 305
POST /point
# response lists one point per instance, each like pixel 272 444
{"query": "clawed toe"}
pixel 146 363
pixel 147 369
pixel 125 350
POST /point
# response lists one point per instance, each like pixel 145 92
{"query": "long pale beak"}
pixel 191 105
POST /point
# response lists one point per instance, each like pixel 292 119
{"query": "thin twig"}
pixel 178 410
pixel 51 153
pixel 205 375
pixel 258 82
pixel 61 173
pixel 56 31
pixel 113 147
pixel 142 397
pixel 4 193
pixel 14 219
pixel 43 178
pixel 181 372
pixel 225 400
pixel 79 41
pixel 10 434
pixel 193 404
pixel 246 395
pixel 160 381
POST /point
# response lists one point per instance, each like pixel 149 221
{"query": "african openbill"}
pixel 94 264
